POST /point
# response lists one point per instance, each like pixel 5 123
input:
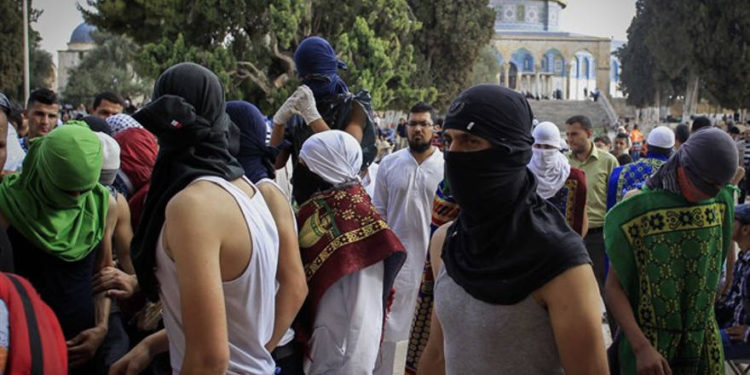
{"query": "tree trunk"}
pixel 691 95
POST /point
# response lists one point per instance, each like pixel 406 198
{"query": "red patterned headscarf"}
pixel 138 150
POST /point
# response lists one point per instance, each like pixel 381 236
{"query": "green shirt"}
pixel 598 167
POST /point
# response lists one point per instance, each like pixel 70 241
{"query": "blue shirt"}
pixel 631 176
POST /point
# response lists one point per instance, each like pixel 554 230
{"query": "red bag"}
pixel 37 344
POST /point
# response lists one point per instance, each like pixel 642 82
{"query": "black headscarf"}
pixel 256 158
pixel 188 116
pixel 507 241
pixel 97 124
pixel 709 157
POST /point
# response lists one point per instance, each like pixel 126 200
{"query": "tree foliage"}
pixel 250 43
pixel 11 50
pixel 678 47
pixel 453 34
pixel 110 66
pixel 486 68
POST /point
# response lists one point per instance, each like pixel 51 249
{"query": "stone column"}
pixel 537 84
pixel 507 76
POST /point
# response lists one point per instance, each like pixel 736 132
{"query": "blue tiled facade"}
pixel 526 15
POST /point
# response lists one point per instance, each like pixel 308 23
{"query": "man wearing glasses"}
pixel 404 190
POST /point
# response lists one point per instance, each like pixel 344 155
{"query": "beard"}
pixel 419 146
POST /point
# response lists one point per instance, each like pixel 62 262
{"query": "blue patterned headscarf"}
pixel 318 65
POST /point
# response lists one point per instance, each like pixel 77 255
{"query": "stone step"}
pixel 558 111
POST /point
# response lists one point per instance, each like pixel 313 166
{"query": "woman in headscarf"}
pixel 513 281
pixel 207 244
pixel 556 181
pixel 666 247
pixel 257 160
pixel 322 102
pixel 55 213
pixel 138 156
pixel 351 257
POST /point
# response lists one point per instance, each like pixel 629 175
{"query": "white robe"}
pixel 404 192
pixel 348 325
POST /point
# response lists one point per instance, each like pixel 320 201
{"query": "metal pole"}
pixel 26 74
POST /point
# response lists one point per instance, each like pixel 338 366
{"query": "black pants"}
pixel 594 242
pixel 288 359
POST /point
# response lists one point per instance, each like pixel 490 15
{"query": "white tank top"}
pixel 289 334
pixel 249 299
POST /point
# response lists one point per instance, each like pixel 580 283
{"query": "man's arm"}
pixel 138 358
pixel 574 306
pixel 83 346
pixel 123 235
pixel 195 244
pixel 648 359
pixel 289 273
pixel 277 137
pixel 432 361
pixel 380 193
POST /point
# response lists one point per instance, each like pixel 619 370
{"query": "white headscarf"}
pixel 550 166
pixel 333 155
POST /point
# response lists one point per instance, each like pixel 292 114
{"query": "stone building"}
pixel 537 57
pixel 80 43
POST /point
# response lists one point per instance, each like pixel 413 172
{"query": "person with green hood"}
pixel 55 214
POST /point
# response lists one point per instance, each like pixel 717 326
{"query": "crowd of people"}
pixel 487 243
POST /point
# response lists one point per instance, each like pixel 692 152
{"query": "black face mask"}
pixel 306 183
pixel 484 182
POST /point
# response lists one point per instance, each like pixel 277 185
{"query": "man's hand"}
pixel 82 348
pixel 287 109
pixel 134 362
pixel 306 106
pixel 650 362
pixel 737 333
pixel 115 282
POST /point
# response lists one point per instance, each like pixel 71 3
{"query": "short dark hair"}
pixel 624 159
pixel 108 96
pixel 603 139
pixel 663 151
pixel 682 133
pixel 43 96
pixel 580 119
pixel 622 136
pixel 423 107
pixel 700 123
pixel 734 130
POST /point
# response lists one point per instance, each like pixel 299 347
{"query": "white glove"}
pixel 305 105
pixel 287 109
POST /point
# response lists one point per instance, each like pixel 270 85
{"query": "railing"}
pixel 609 110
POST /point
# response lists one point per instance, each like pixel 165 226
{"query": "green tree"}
pixel 639 67
pixel 453 34
pixel 252 43
pixel 724 53
pixel 11 50
pixel 111 66
pixel 486 68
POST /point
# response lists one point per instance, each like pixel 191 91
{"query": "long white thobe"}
pixel 348 325
pixel 404 191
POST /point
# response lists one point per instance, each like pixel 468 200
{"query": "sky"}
pixel 603 18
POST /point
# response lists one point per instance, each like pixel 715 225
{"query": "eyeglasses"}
pixel 424 124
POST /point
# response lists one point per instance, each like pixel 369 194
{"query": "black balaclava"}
pixel 196 138
pixel 507 241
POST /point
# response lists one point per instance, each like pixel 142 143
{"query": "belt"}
pixel 596 230
pixel 284 351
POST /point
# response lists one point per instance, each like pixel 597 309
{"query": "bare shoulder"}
pixel 572 284
pixel 436 247
pixel 272 194
pixel 202 199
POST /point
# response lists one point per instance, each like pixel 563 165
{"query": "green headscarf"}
pixel 38 202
